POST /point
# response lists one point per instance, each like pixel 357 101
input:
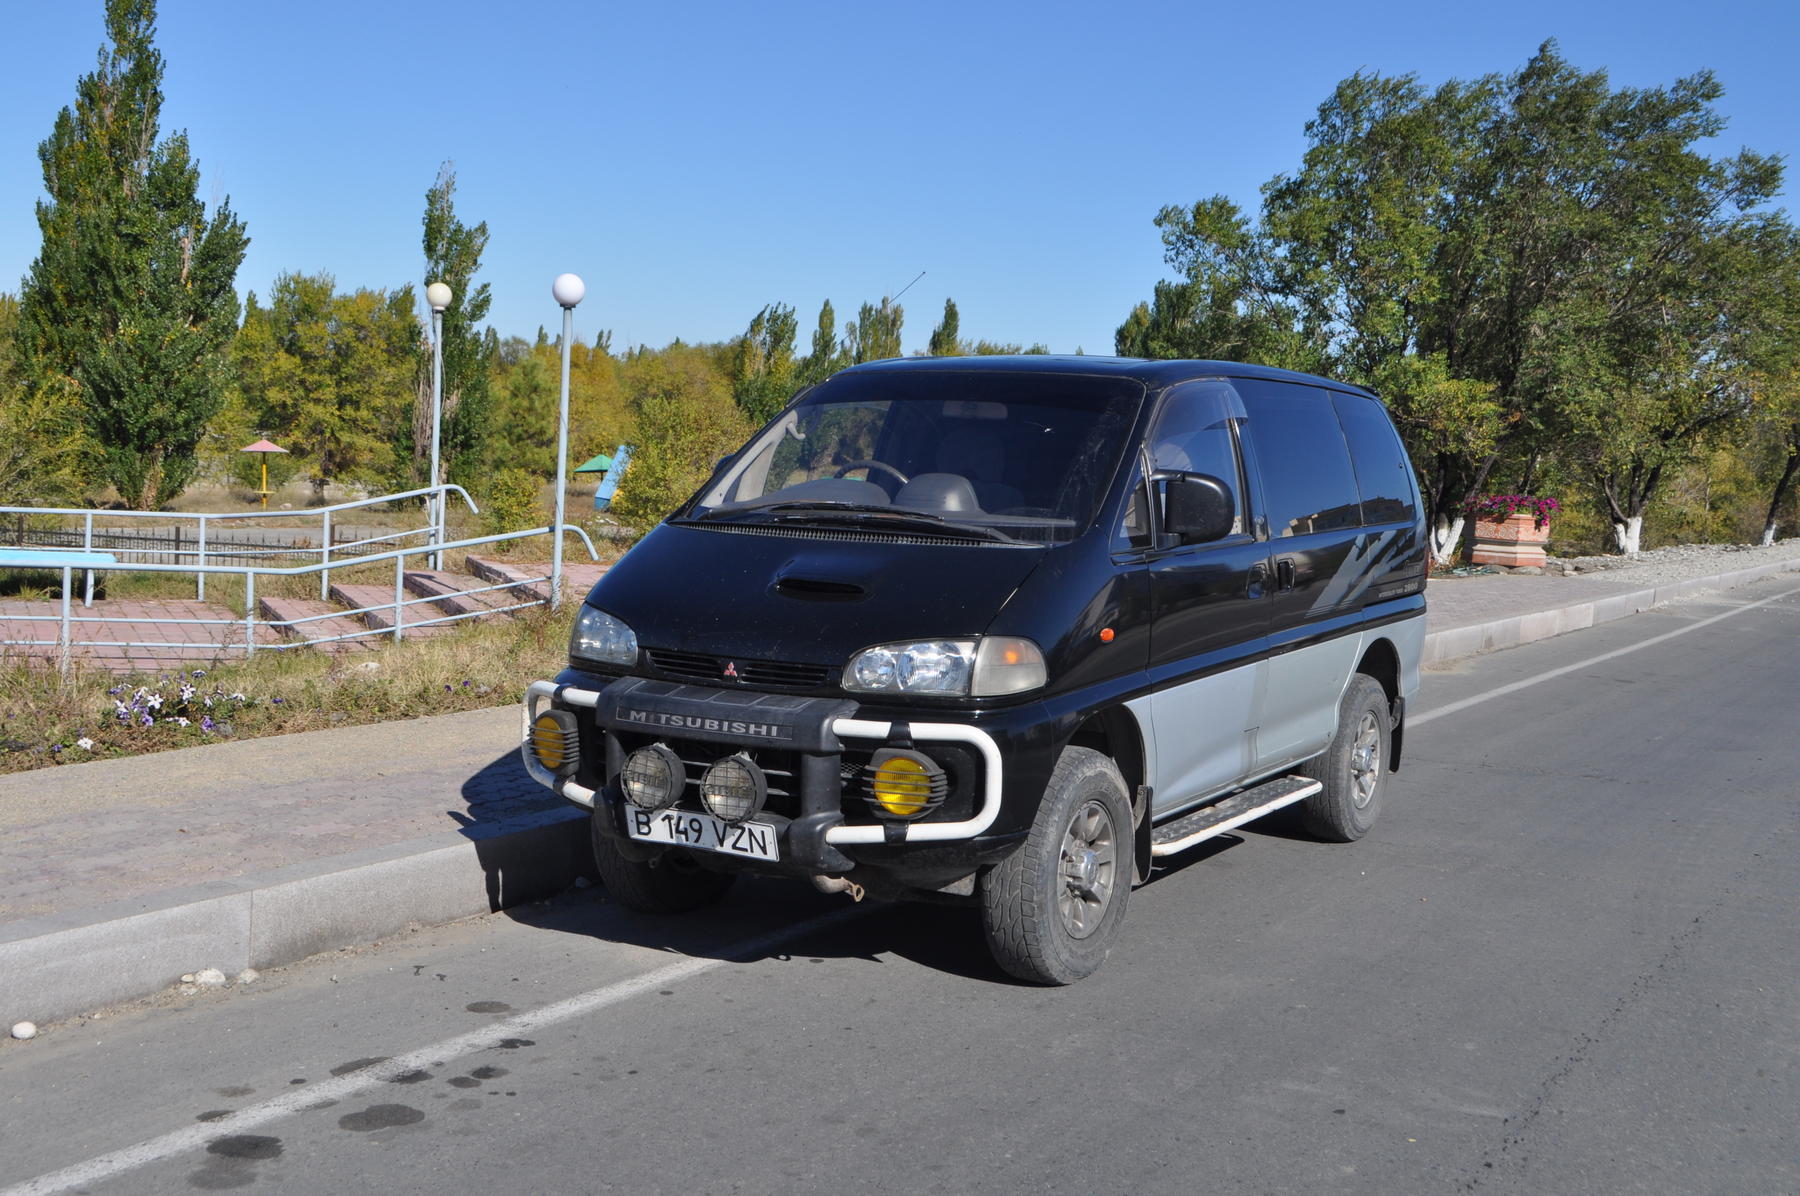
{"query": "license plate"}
pixel 703 832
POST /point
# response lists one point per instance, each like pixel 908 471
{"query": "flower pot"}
pixel 1514 542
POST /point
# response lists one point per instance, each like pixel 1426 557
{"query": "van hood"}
pixel 816 599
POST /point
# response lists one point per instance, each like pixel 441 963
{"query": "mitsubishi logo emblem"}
pixel 731 672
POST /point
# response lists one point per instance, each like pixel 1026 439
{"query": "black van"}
pixel 1002 631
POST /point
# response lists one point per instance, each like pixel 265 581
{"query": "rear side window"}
pixel 1382 473
pixel 1308 483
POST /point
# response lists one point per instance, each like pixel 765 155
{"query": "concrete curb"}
pixel 1458 642
pixel 56 966
pixel 61 965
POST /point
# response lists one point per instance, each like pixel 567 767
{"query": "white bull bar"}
pixel 844 728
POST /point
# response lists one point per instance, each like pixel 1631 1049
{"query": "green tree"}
pixel 1530 267
pixel 827 356
pixel 131 296
pixel 330 376
pixel 46 458
pixel 686 421
pixel 763 368
pixel 875 333
pixel 453 256
pixel 944 342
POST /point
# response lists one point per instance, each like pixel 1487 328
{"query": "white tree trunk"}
pixel 1629 535
pixel 1768 536
pixel 1446 533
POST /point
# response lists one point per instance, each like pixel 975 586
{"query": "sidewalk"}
pixel 118 876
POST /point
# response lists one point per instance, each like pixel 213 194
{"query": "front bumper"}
pixel 816 729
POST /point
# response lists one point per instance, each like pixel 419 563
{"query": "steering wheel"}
pixel 848 466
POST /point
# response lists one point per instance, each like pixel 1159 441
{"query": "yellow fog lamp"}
pixel 905 784
pixel 556 742
pixel 653 777
pixel 734 789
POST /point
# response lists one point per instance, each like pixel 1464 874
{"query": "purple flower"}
pixel 206 724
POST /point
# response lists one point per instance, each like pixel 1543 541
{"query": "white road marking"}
pixel 1414 720
pixel 116 1162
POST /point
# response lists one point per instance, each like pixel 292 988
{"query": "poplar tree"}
pixel 130 299
pixel 944 342
pixel 453 256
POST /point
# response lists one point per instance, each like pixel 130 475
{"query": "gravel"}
pixel 1681 562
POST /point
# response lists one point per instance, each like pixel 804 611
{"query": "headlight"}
pixel 980 668
pixel 598 636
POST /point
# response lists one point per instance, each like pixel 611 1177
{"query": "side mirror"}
pixel 1197 509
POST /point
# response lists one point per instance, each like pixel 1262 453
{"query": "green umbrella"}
pixel 598 463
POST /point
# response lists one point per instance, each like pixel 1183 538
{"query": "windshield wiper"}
pixel 866 514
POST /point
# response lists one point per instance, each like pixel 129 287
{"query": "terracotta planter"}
pixel 1514 542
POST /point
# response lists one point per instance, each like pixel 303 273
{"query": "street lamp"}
pixel 568 289
pixel 438 295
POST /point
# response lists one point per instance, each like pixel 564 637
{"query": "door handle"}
pixel 1284 573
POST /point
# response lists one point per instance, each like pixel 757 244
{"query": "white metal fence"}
pixel 234 635
pixel 179 536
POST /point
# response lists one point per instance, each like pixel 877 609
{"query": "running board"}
pixel 1230 814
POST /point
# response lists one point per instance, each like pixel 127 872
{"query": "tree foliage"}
pixel 453 256
pixel 686 421
pixel 763 368
pixel 1527 265
pixel 875 333
pixel 330 376
pixel 131 299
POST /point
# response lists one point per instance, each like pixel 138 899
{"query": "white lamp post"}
pixel 568 290
pixel 438 295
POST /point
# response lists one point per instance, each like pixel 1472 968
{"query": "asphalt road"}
pixel 1563 962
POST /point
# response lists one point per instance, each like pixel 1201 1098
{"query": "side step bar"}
pixel 1233 812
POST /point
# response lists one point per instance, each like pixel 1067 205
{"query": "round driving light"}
pixel 734 788
pixel 905 784
pixel 653 777
pixel 553 741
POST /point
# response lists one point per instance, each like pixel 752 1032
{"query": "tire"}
pixel 1053 907
pixel 1354 768
pixel 672 883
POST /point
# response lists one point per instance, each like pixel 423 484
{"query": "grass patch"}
pixel 46 720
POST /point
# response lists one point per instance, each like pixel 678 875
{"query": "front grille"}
pixel 761 674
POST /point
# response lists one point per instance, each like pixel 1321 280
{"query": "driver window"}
pixel 1195 434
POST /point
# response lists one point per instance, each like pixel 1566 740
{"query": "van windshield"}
pixel 1008 458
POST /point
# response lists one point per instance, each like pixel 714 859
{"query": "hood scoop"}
pixel 819 589
pixel 821 577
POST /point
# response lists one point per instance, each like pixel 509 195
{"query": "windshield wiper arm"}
pixel 866 514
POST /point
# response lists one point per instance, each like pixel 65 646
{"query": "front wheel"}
pixel 670 884
pixel 1052 908
pixel 1353 769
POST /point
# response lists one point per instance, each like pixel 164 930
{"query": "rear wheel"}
pixel 672 883
pixel 1052 908
pixel 1353 769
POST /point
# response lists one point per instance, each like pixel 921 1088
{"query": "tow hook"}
pixel 837 884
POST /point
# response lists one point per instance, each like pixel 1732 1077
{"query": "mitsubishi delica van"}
pixel 1000 631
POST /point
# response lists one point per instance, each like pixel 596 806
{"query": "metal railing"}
pixel 93 539
pixel 230 641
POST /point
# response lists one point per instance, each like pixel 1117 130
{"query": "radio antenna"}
pixel 906 288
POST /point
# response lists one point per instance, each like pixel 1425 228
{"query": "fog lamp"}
pixel 734 788
pixel 653 777
pixel 556 741
pixel 905 784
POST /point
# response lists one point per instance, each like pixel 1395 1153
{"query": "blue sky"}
pixel 694 162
